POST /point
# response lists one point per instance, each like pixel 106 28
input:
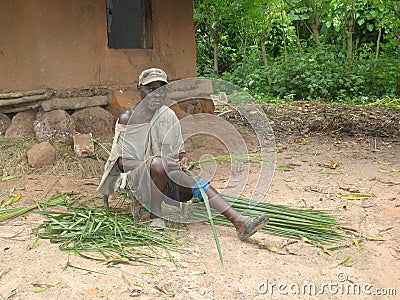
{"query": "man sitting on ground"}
pixel 148 156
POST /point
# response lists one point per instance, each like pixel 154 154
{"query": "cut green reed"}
pixel 209 213
pixel 56 200
pixel 292 222
pixel 102 234
pixel 250 157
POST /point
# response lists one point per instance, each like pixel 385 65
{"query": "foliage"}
pixel 322 75
pixel 104 234
pixel 336 51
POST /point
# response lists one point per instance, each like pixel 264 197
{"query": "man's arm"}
pixel 125 164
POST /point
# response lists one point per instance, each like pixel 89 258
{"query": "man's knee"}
pixel 157 167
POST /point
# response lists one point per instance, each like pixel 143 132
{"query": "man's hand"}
pixel 185 163
pixel 171 164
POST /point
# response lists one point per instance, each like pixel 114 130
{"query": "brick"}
pixel 83 145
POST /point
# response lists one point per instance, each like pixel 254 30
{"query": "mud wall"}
pixel 63 44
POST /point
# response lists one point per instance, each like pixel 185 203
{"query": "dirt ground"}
pixel 323 162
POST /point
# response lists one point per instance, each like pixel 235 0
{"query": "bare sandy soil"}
pixel 292 270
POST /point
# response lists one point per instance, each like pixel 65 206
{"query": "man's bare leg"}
pixel 160 179
pixel 245 226
pixel 222 206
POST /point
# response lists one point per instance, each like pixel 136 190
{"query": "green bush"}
pixel 324 74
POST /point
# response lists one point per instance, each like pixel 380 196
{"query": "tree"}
pixel 300 47
pixel 311 12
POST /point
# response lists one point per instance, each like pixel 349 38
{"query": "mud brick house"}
pixel 93 45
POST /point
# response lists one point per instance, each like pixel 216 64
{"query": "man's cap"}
pixel 151 75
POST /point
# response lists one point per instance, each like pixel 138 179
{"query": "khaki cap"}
pixel 151 75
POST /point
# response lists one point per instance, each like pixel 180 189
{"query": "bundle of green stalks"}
pixel 296 223
pixel 8 213
pixel 314 225
pixel 105 234
pixel 246 158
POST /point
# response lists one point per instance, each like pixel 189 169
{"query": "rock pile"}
pixel 57 126
pixel 75 120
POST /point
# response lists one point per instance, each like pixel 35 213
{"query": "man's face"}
pixel 153 94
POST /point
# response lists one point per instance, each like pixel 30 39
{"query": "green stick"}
pixel 210 217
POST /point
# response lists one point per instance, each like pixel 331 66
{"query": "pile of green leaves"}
pixel 102 234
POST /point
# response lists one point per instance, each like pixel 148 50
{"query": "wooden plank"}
pixel 13 95
pixel 74 103
pixel 26 99
pixel 14 109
